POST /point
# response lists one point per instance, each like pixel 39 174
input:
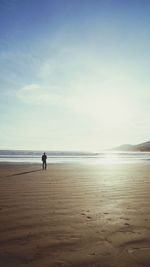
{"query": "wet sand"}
pixel 75 215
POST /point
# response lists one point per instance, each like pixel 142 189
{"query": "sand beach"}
pixel 75 215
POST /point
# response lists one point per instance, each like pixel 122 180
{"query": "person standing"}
pixel 44 158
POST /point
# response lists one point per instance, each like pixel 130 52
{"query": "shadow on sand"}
pixel 21 173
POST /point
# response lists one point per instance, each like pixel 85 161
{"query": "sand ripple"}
pixel 74 215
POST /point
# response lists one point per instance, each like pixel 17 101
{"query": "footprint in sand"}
pixel 89 217
pixel 93 254
pixel 126 219
pixel 127 224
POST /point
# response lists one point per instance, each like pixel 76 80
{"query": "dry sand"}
pixel 75 215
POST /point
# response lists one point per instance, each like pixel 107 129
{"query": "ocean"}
pixel 109 157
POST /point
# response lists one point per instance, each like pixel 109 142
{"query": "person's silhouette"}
pixel 44 158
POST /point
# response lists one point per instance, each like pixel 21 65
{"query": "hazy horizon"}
pixel 74 75
pixel 110 149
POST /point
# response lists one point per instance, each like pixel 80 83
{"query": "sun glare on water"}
pixel 112 159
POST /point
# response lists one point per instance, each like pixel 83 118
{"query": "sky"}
pixel 74 75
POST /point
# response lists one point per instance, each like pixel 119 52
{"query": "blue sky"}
pixel 74 75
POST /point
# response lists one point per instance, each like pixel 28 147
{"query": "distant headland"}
pixel 143 147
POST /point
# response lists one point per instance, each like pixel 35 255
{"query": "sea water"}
pixel 26 156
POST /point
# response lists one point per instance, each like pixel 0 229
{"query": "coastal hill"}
pixel 143 147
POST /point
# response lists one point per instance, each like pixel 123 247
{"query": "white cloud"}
pixel 37 95
pixel 103 108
